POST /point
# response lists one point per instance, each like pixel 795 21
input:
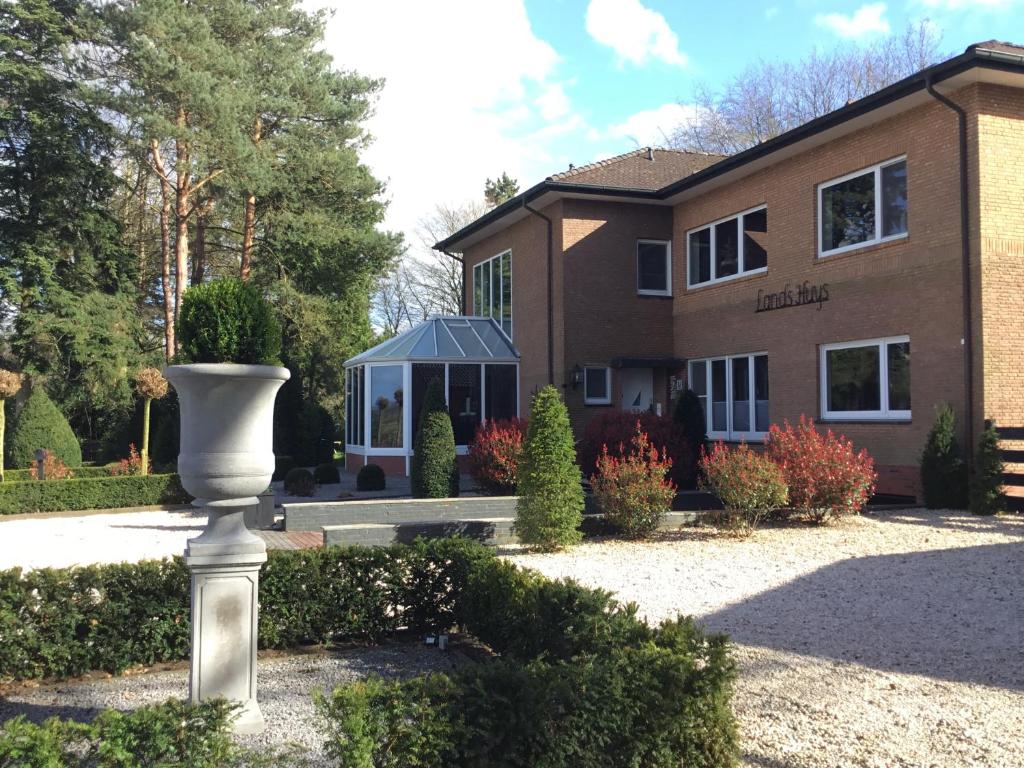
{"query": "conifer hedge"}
pixel 40 424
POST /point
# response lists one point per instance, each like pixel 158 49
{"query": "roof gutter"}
pixel 551 290
pixel 965 267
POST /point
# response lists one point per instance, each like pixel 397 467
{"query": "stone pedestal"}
pixel 225 563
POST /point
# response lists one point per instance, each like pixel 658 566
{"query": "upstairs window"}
pixel 863 208
pixel 728 248
pixel 653 268
pixel 492 290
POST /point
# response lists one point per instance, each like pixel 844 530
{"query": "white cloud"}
pixel 651 127
pixel 957 5
pixel 635 32
pixel 553 102
pixel 456 107
pixel 866 20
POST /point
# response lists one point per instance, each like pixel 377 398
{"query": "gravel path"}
pixel 878 641
pixel 59 542
pixel 286 685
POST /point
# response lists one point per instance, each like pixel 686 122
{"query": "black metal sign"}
pixel 792 296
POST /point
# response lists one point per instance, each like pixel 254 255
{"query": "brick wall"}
pixel 908 286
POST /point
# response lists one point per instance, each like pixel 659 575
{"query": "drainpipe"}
pixel 551 290
pixel 965 269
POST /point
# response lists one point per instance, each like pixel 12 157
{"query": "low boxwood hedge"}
pixel 578 679
pixel 16 475
pixel 80 493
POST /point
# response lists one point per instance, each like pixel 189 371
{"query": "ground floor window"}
pixel 734 393
pixel 597 385
pixel 866 379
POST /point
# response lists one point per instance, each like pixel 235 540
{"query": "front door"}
pixel 637 388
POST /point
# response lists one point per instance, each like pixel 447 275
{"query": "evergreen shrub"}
pixel 371 477
pixel 435 471
pixel 549 508
pixel 228 321
pixel 299 482
pixel 943 471
pixel 987 494
pixel 689 416
pixel 326 473
pixel 40 424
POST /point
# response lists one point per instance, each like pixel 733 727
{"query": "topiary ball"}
pixel 228 321
pixel 326 473
pixel 371 478
pixel 299 482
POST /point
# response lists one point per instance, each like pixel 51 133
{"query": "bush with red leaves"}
pixel 53 468
pixel 825 475
pixel 129 466
pixel 616 429
pixel 494 455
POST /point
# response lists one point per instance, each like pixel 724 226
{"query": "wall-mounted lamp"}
pixel 576 376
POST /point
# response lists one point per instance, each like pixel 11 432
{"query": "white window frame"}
pixel 478 311
pixel 607 400
pixel 878 238
pixel 730 434
pixel 884 414
pixel 741 272
pixel 668 268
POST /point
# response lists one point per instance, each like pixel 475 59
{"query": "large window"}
pixel 355 401
pixel 597 385
pixel 653 268
pixel 862 208
pixel 734 393
pixel 387 406
pixel 728 248
pixel 492 290
pixel 866 379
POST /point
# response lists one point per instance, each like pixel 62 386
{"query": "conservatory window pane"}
pixel 464 401
pixel 386 406
pixel 422 375
pixel 501 385
pixel 360 405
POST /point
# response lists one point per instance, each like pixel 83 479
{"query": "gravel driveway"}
pixel 893 640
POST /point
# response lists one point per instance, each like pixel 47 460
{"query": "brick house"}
pixel 792 278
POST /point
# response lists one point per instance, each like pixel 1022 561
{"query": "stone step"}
pixel 491 531
pixel 312 516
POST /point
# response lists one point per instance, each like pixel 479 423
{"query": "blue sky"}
pixel 477 87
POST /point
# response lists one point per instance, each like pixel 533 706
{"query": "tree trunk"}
pixel 145 435
pixel 181 212
pixel 3 426
pixel 199 250
pixel 249 219
pixel 165 250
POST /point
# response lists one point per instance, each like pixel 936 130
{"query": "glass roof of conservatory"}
pixel 457 339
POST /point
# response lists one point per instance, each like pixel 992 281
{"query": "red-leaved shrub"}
pixel 749 485
pixel 825 475
pixel 129 466
pixel 494 455
pixel 633 489
pixel 615 429
pixel 53 468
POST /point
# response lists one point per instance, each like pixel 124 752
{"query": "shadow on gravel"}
pixel 953 614
pixel 37 713
pixel 163 527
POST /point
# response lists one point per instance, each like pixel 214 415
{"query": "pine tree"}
pixel 943 471
pixel 40 425
pixel 689 415
pixel 987 496
pixel 435 473
pixel 500 189
pixel 550 506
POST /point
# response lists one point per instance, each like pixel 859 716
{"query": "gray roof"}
pixel 454 339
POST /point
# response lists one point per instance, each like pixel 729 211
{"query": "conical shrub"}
pixel 987 495
pixel 943 471
pixel 40 424
pixel 435 473
pixel 550 506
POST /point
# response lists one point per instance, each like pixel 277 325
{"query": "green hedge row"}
pixel 578 679
pixel 17 475
pixel 80 493
pixel 170 734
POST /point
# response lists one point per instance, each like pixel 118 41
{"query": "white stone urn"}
pixel 226 459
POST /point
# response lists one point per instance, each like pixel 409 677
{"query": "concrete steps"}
pixel 493 532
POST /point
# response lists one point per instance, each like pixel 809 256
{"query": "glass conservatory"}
pixel 385 385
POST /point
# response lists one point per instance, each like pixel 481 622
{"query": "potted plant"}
pixel 226 387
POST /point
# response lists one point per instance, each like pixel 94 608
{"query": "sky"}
pixel 474 88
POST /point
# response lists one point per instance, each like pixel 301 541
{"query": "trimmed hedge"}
pixel 81 493
pixel 15 475
pixel 371 477
pixel 579 679
pixel 40 424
